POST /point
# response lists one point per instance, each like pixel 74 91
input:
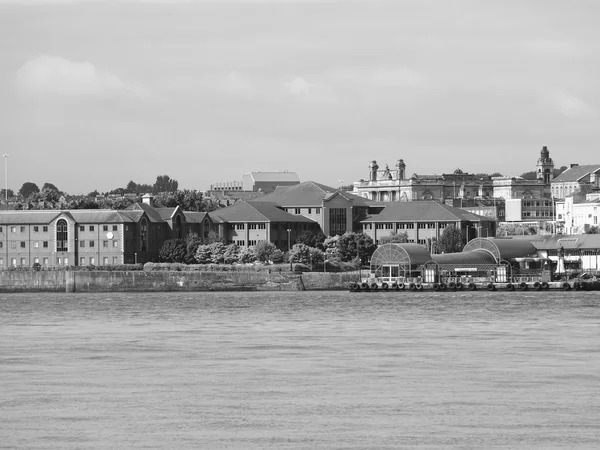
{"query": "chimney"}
pixel 148 199
pixel 572 165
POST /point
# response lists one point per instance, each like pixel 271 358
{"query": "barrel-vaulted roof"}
pixel 243 211
pixel 409 256
pixel 423 211
pixel 308 194
pixel 473 257
pixel 502 248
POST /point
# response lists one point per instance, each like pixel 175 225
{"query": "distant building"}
pixel 576 178
pixel 423 220
pixel 578 213
pixel 268 181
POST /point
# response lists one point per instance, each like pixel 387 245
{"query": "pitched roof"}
pixel 243 211
pixel 423 211
pixel 149 210
pixel 274 176
pixel 99 216
pixel 195 216
pixel 575 173
pixel 307 193
pixel 165 213
pixel 28 217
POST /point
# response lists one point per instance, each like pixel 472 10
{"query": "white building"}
pixel 577 214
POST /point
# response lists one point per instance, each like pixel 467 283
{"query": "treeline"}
pixel 165 191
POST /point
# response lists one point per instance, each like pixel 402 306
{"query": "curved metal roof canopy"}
pixel 501 248
pixel 408 256
pixel 477 257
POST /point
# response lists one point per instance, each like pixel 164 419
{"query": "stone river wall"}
pixel 143 281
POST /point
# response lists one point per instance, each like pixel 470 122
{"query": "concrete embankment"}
pixel 144 281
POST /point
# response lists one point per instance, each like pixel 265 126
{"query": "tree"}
pixel 164 183
pixel 312 239
pixel 173 250
pixel 532 175
pixel 50 187
pixel 353 245
pixel 395 237
pixel 192 242
pixel 451 240
pixel 593 230
pixel 27 189
pixel 217 252
pixel 300 253
pixel 557 172
pixel 232 253
pixel 203 254
pixel 264 251
pixel 247 255
pixel 3 195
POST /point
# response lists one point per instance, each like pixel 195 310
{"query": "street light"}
pixel 325 265
pixel 289 230
pixel 6 178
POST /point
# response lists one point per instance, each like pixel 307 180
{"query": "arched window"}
pixel 143 235
pixel 206 228
pixel 178 227
pixel 62 236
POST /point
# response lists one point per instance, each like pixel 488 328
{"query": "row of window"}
pixel 82 244
pixel 299 210
pixel 405 226
pixel 22 229
pixel 92 227
pixel 62 261
pixel 23 244
pixel 251 226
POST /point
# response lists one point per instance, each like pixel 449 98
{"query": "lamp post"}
pixel 6 178
pixel 289 230
pixel 325 266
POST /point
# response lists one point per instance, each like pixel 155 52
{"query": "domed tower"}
pixel 400 169
pixel 545 166
pixel 373 171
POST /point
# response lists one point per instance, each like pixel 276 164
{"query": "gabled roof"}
pixel 575 173
pixel 195 216
pixel 243 211
pixel 17 217
pixel 99 216
pixel 424 211
pixel 307 194
pixel 287 177
pixel 149 210
pixel 166 213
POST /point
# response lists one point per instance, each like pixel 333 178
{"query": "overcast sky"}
pixel 96 93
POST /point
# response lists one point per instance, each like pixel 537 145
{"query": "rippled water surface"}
pixel 300 370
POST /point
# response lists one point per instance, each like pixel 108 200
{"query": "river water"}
pixel 300 370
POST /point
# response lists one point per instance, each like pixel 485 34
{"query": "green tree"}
pixel 173 250
pixel 312 239
pixel 164 183
pixel 300 253
pixel 247 255
pixel 353 245
pixel 531 175
pixel 264 251
pixel 394 237
pixel 27 189
pixel 231 255
pixel 192 242
pixel 558 171
pixel 50 187
pixel 217 252
pixel 203 254
pixel 451 240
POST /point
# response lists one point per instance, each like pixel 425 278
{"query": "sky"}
pixel 94 94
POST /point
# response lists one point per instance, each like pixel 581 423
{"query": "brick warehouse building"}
pixel 94 237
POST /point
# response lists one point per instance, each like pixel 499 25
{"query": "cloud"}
pixel 298 86
pixel 383 77
pixel 51 75
pixel 569 105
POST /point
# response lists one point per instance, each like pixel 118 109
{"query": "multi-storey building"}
pixel 576 178
pixel 93 237
pixel 578 213
pixel 423 220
